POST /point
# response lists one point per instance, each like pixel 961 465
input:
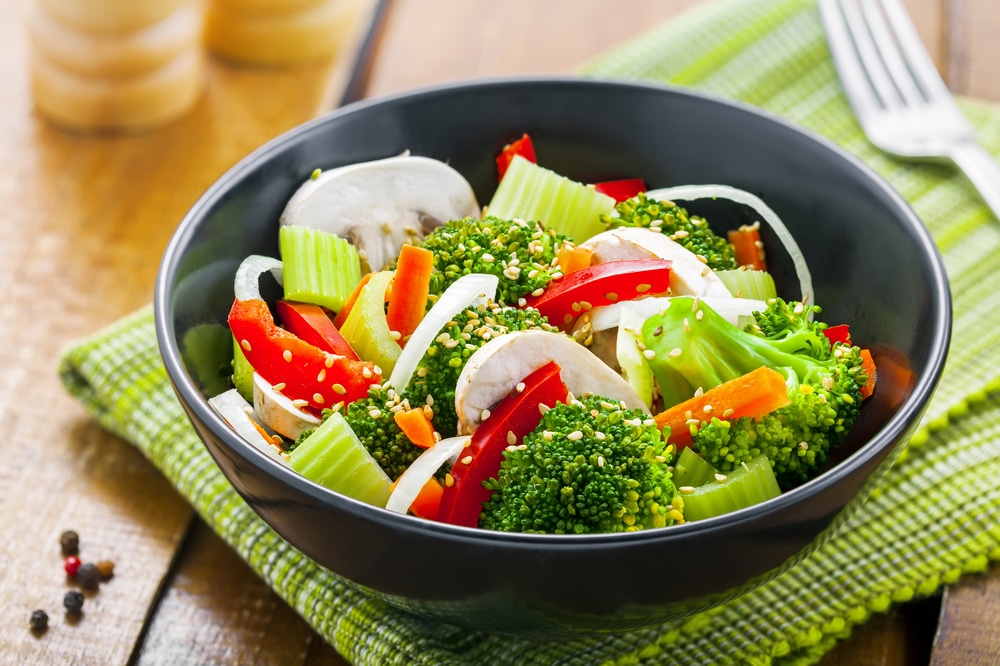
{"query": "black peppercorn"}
pixel 70 542
pixel 39 620
pixel 88 575
pixel 73 601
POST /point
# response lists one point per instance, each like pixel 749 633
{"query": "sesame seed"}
pixel 542 408
pixel 395 335
pixel 428 413
pixel 729 412
pixel 649 354
pixel 430 400
pixel 804 446
pixel 798 309
pixel 245 344
pixel 511 438
pixel 366 372
pixel 600 461
pixel 687 325
pixel 329 361
pixel 521 302
pixel 339 389
pixel 280 386
pixel 466 460
pixel 299 402
pixel 315 174
pixel 695 304
pixel 422 372
pixel 692 422
pixel 675 352
pixel 317 398
pixel 643 288
pixel 698 392
pixel 707 409
pixel 699 315
pixel 575 435
pixel 537 292
pixel 485 414
pixel 686 490
pixel 488 258
pixel 611 296
pixel 522 447
pixel 375 413
pixel 451 344
pixel 287 355
pixel 321 377
pixel 547 435
pixel 702 258
pixel 520 387
pixel 449 480
pixel 721 478
pixel 377 370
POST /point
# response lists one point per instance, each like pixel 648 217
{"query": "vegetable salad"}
pixel 572 358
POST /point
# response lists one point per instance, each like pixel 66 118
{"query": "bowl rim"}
pixel 906 416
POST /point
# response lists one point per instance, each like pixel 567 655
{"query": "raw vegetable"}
pixel 306 374
pixel 236 412
pixel 755 394
pixel 319 267
pixel 695 192
pixel 416 426
pixel 590 466
pixel 621 190
pixel 868 363
pixel 342 315
pixel 523 147
pixel 692 470
pixel 746 283
pixel 565 299
pixel 572 258
pixel 531 192
pixel 748 484
pixel 278 412
pixel 513 418
pixel 333 457
pixel 633 364
pixel 416 477
pixel 311 323
pixel 748 247
pixel 366 328
pixel 410 286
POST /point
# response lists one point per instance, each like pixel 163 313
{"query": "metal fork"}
pixel 900 100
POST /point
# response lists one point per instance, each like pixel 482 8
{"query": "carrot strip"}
pixel 411 285
pixel 868 363
pixel 755 394
pixel 574 258
pixel 428 500
pixel 341 317
pixel 748 247
pixel 416 426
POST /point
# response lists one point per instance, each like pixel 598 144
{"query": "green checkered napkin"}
pixel 936 517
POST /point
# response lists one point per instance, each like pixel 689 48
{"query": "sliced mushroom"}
pixel 381 205
pixel 688 275
pixel 496 368
pixel 236 412
pixel 277 411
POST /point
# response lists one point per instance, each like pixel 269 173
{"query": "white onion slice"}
pixel 693 192
pixel 247 283
pixel 608 316
pixel 236 412
pixel 421 470
pixel 466 291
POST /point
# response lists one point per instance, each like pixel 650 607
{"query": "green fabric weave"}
pixel 936 516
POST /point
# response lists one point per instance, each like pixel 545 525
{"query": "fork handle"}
pixel 982 170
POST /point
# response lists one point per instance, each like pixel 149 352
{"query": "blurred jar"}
pixel 105 65
pixel 277 32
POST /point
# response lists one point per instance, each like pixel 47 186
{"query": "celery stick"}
pixel 366 329
pixel 335 458
pixel 242 373
pixel 635 370
pixel 530 192
pixel 319 267
pixel 692 470
pixel 748 484
pixel 757 285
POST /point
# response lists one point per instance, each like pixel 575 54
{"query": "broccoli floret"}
pixel 521 254
pixel 693 347
pixel 590 466
pixel 437 372
pixel 690 231
pixel 372 421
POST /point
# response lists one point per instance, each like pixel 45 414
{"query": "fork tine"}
pixel 885 43
pixel 845 57
pixel 874 67
pixel 917 60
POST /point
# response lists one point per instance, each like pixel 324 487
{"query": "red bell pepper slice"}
pixel 571 295
pixel 838 333
pixel 620 190
pixel 310 323
pixel 517 415
pixel 307 373
pixel 523 147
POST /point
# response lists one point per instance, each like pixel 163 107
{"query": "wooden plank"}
pixel 216 608
pixel 85 221
pixel 973 47
pixel 969 631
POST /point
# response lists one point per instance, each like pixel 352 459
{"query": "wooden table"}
pixel 84 221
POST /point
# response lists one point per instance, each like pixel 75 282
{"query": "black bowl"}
pixel 874 265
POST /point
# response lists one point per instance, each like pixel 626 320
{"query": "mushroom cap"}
pixel 383 204
pixel 688 275
pixel 498 366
